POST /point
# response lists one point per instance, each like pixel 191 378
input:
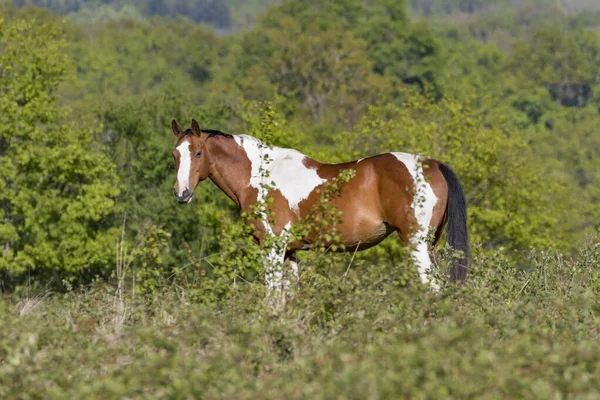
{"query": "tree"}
pixel 57 190
pixel 314 56
pixel 395 47
pixel 566 63
pixel 129 57
pixel 213 12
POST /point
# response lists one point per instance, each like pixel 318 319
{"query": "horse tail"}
pixel 458 235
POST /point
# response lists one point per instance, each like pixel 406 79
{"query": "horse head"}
pixel 191 163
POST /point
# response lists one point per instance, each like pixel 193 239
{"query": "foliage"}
pixel 57 188
pixel 177 54
pixel 320 70
pixel 215 12
pixel 245 13
pixel 380 29
pixel 147 258
pixel 567 64
pixel 509 333
pixel 444 7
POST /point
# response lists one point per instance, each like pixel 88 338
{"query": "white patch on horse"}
pixel 185 164
pixel 422 204
pixel 283 169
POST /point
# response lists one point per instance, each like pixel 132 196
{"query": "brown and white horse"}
pixel 391 192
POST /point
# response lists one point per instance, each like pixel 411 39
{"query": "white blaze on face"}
pixel 422 204
pixel 185 164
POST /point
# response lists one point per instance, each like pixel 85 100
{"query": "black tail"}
pixel 458 235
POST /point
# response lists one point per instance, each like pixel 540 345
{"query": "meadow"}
pixel 361 335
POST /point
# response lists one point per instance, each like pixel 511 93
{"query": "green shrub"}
pixel 347 333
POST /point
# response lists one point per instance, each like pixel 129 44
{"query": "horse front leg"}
pixel 281 269
pixel 274 263
pixel 278 261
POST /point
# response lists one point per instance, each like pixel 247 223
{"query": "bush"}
pixel 508 333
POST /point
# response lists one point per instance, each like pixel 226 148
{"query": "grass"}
pixel 510 333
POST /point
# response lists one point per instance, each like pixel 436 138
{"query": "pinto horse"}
pixel 391 192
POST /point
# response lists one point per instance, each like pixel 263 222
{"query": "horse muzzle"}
pixel 184 197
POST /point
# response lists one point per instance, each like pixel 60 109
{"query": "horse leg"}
pixel 274 267
pixel 280 265
pixel 433 247
pixel 276 259
pixel 421 257
pixel 292 259
pixel 281 272
pixel 419 254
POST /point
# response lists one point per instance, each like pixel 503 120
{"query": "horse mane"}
pixel 211 133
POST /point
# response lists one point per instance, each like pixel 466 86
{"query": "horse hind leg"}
pixel 415 233
pixel 422 259
pixel 420 255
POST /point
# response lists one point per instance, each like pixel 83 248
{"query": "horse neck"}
pixel 239 166
pixel 229 168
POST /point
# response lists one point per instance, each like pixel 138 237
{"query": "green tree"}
pixel 214 12
pixel 395 47
pixel 57 190
pixel 129 57
pixel 318 57
pixel 566 63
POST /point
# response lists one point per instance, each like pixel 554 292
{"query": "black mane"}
pixel 211 133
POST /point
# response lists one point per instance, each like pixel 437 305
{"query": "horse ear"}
pixel 195 127
pixel 177 131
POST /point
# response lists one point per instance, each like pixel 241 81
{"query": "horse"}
pixel 392 192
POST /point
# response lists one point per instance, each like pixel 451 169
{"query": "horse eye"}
pixel 198 154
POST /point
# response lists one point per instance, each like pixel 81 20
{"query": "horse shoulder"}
pixel 295 176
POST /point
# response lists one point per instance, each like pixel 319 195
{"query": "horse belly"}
pixel 365 234
pixel 360 231
pixel 363 224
